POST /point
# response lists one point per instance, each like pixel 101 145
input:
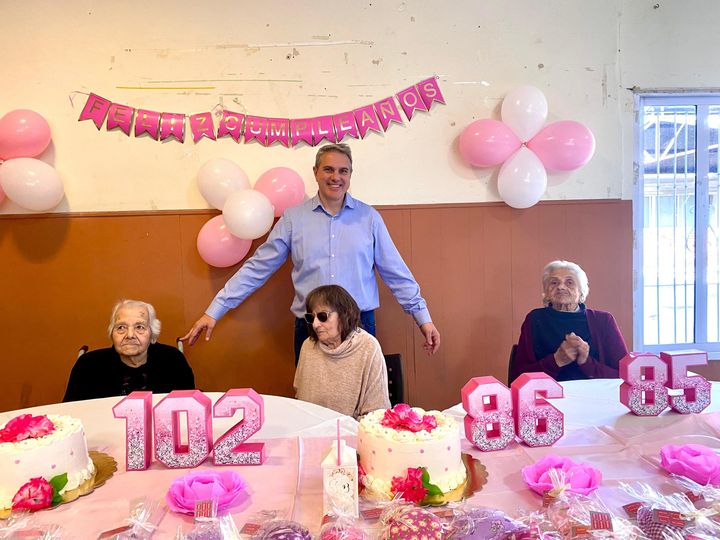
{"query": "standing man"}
pixel 332 239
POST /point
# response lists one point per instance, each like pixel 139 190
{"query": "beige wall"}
pixel 270 59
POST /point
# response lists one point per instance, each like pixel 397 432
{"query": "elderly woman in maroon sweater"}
pixel 565 339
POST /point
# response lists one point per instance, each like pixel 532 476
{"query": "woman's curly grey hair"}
pixel 153 322
pixel 582 278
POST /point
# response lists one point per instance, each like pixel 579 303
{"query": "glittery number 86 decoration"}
pixel 696 389
pixel 643 390
pixel 489 421
pixel 492 421
pixel 537 423
pixel 230 448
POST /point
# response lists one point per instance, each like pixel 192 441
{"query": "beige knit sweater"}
pixel 351 379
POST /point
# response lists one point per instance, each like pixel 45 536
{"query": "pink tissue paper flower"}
pixel 694 461
pixel 26 426
pixel 579 477
pixel 402 417
pixel 227 487
pixel 33 495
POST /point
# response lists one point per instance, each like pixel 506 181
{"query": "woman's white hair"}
pixel 580 274
pixel 153 322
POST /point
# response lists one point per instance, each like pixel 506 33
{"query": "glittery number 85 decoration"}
pixel 537 423
pixel 230 448
pixel 643 390
pixel 489 421
pixel 696 389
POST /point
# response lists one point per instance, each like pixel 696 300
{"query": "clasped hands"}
pixel 572 349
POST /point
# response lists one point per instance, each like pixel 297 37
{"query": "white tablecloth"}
pixel 598 430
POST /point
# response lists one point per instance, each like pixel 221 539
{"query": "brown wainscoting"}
pixel 478 265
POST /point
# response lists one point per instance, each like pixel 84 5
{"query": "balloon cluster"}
pixel 526 149
pixel 246 213
pixel 28 182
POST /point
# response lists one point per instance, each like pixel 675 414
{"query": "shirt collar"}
pixel 317 203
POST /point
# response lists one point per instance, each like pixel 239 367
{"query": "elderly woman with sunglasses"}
pixel 565 339
pixel 135 361
pixel 341 366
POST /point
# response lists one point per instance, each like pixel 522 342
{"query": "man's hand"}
pixel 432 338
pixel 581 346
pixel 206 323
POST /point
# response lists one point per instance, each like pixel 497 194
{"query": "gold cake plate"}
pixel 475 479
pixel 105 467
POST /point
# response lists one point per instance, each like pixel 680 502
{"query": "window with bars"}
pixel 676 222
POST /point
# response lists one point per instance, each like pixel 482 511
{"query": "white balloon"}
pixel 220 177
pixel 522 179
pixel 525 110
pixel 31 183
pixel 248 214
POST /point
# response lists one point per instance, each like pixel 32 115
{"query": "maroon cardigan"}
pixel 606 338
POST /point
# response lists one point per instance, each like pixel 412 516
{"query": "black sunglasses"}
pixel 322 316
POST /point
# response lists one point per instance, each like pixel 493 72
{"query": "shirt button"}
pixel 333 255
pixel 332 236
pixel 332 275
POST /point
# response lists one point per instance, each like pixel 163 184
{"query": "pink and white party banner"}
pixel 289 132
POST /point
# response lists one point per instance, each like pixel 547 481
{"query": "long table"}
pixel 598 430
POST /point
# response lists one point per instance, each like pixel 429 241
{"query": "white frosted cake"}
pixel 391 441
pixel 47 449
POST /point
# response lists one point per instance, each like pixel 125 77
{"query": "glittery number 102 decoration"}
pixel 167 427
pixel 647 379
pixel 230 449
pixel 495 413
pixel 137 411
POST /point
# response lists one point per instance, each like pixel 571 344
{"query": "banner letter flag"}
pixel 410 100
pixel 387 112
pixel 430 91
pixel 255 128
pixel 278 129
pixel 323 129
pixel 366 120
pixel 300 130
pixel 345 125
pixel 202 125
pixel 231 123
pixel 147 122
pixel 120 116
pixel 95 109
pixel 172 125
pixel 355 123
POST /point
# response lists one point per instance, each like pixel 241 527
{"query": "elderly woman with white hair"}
pixel 135 361
pixel 565 339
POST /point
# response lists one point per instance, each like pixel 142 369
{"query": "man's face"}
pixel 333 177
pixel 131 332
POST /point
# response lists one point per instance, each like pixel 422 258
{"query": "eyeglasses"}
pixel 322 316
pixel 138 328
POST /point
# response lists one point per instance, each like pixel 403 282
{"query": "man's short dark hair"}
pixel 340 148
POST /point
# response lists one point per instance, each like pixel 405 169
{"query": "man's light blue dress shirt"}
pixel 344 250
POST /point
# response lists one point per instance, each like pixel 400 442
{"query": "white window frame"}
pixel 702 100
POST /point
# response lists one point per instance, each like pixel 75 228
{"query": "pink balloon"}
pixel 486 143
pixel 283 186
pixel 23 133
pixel 218 246
pixel 2 195
pixel 563 146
